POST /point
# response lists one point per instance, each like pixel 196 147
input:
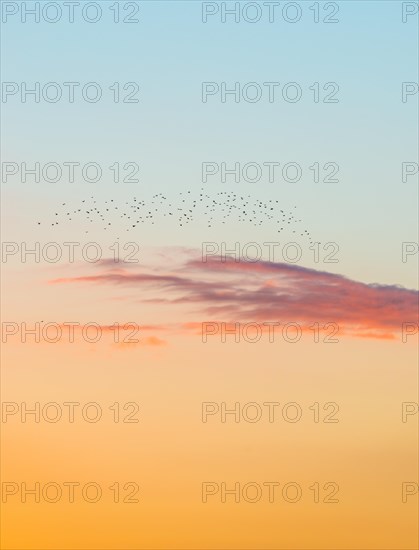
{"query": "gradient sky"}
pixel 370 292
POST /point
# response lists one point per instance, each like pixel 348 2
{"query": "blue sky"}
pixel 170 132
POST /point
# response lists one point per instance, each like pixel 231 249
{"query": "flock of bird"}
pixel 186 208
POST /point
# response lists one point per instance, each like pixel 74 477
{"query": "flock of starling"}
pixel 186 208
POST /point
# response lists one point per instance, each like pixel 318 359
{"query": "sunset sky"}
pixel 323 326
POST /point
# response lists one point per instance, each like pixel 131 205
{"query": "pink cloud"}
pixel 242 292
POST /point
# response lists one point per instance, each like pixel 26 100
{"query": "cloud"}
pixel 243 292
pixel 148 341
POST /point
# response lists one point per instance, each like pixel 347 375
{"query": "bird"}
pixel 184 209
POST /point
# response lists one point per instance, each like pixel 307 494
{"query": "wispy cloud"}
pixel 242 292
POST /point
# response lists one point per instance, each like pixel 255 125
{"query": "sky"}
pixel 196 250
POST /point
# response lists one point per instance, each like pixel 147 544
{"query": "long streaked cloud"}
pixel 242 292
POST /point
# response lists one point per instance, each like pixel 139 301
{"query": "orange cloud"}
pixel 243 292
